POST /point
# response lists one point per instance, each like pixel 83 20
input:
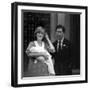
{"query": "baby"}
pixel 47 60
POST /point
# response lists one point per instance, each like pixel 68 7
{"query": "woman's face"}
pixel 40 34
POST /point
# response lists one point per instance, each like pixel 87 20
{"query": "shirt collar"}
pixel 61 40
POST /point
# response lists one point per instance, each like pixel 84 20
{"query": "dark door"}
pixel 75 39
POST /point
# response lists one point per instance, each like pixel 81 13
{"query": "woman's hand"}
pixel 50 45
pixel 46 36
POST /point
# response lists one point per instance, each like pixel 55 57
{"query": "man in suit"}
pixel 63 54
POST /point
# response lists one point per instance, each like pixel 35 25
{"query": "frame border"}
pixel 14 43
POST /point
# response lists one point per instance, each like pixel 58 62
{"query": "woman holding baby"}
pixel 38 51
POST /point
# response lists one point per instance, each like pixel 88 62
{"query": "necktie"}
pixel 58 45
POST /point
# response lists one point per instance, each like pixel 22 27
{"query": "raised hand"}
pixel 46 36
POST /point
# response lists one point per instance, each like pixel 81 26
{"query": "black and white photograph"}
pixel 49 44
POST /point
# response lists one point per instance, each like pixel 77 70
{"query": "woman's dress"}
pixel 35 69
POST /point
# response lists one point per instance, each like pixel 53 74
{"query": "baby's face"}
pixel 41 58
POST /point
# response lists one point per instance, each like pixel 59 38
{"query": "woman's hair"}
pixel 39 30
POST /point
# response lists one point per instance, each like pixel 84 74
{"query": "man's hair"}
pixel 60 26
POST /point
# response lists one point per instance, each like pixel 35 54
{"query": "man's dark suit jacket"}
pixel 63 58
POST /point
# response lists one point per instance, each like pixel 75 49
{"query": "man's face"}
pixel 59 33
